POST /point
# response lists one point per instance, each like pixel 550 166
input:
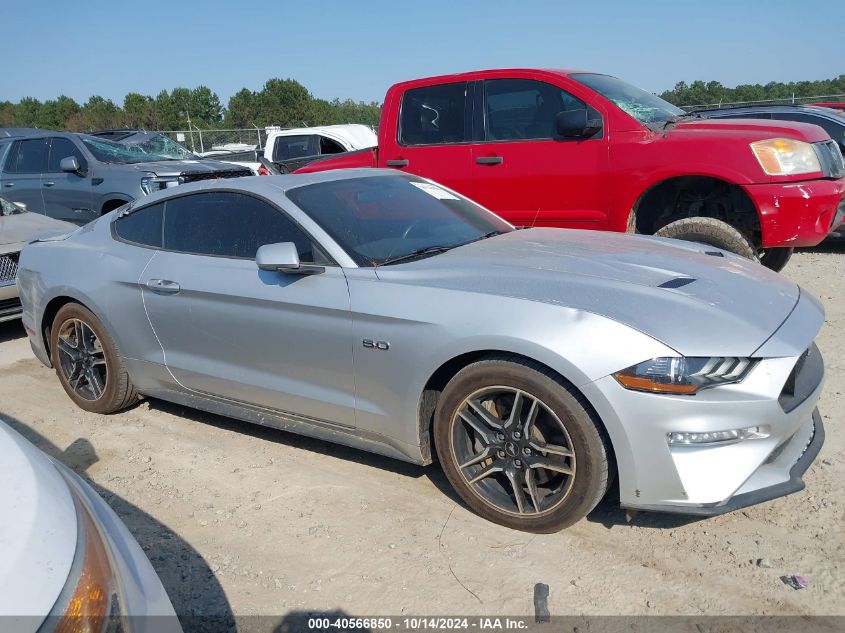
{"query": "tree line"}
pixel 283 102
pixel 713 92
pixel 287 103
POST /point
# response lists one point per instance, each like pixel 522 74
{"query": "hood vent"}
pixel 677 282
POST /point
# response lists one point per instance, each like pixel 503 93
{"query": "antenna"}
pixel 534 221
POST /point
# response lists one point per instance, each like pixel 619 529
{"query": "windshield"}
pixel 643 106
pixel 127 152
pixel 380 219
pixel 10 208
pixel 158 145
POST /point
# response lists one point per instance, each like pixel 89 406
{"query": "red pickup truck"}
pixel 584 150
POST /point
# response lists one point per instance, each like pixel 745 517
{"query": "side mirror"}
pixel 576 124
pixel 70 164
pixel 284 258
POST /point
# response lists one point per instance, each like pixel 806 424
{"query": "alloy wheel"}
pixel 82 359
pixel 513 451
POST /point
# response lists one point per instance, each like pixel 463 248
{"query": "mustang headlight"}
pixel 684 376
pixel 786 157
pixel 152 183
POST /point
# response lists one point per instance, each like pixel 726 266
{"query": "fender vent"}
pixel 714 253
pixel 677 282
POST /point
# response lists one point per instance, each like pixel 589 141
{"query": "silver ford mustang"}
pixel 385 312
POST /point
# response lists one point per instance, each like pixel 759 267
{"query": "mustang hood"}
pixel 37 529
pixel 697 299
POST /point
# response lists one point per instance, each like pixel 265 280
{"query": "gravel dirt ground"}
pixel 246 520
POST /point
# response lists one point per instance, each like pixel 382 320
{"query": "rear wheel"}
pixel 520 447
pixel 87 363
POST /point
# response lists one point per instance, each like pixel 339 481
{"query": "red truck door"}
pixel 433 135
pixel 524 171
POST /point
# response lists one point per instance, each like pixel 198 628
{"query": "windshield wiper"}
pixel 420 252
pixel 681 117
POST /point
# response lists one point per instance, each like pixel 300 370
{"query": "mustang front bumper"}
pixel 780 394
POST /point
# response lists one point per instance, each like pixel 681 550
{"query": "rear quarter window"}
pixel 142 227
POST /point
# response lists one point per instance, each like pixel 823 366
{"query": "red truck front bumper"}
pixel 798 213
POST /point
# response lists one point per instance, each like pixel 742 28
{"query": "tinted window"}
pixel 62 148
pixel 328 146
pixel 28 157
pixel 834 129
pixel 142 226
pixel 434 115
pixel 288 147
pixel 381 217
pixel 228 224
pixel 525 109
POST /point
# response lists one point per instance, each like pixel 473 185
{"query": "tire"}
pixel 488 462
pixel 100 385
pixel 775 258
pixel 710 231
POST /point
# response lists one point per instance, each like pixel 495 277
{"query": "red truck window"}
pixel 522 109
pixel 434 115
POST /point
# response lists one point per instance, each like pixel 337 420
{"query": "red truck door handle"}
pixel 489 160
pixel 397 162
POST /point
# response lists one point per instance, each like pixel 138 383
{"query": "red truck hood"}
pixel 751 129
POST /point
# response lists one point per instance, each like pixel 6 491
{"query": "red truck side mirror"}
pixel 576 124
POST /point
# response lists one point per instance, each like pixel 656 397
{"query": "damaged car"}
pixel 382 311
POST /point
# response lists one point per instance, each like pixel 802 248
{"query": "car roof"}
pixel 266 186
pixel 809 109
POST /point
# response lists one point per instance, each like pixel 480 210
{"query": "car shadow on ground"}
pixel 828 246
pixel 194 591
pixel 11 330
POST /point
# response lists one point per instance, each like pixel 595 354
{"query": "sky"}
pixel 357 49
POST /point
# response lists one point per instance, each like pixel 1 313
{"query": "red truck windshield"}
pixel 643 106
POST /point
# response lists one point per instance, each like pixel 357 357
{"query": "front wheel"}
pixel 87 363
pixel 710 231
pixel 775 258
pixel 520 447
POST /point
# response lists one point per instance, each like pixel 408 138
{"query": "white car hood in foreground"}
pixel 37 528
pixel 21 228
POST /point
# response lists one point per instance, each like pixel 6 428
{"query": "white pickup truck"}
pixel 292 148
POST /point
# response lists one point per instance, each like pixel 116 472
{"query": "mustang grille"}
pixel 8 266
pixel 213 175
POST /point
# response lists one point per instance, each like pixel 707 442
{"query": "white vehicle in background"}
pixel 289 150
pixel 68 563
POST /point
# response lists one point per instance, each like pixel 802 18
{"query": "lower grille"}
pixel 9 307
pixel 8 266
pixel 213 175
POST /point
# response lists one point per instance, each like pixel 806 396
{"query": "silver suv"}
pixel 78 177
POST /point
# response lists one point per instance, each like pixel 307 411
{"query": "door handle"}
pixel 8 184
pixel 397 162
pixel 489 160
pixel 48 184
pixel 163 286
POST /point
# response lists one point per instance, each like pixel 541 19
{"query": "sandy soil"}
pixel 245 520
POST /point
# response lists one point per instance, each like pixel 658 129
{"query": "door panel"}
pixel 67 196
pixel 260 337
pixel 433 137
pixel 523 172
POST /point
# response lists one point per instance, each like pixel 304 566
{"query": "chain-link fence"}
pixel 234 140
pixel 793 100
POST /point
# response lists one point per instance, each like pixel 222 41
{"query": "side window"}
pixel 523 109
pixel 62 148
pixel 328 146
pixel 434 115
pixel 228 224
pixel 287 147
pixel 143 226
pixel 30 157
